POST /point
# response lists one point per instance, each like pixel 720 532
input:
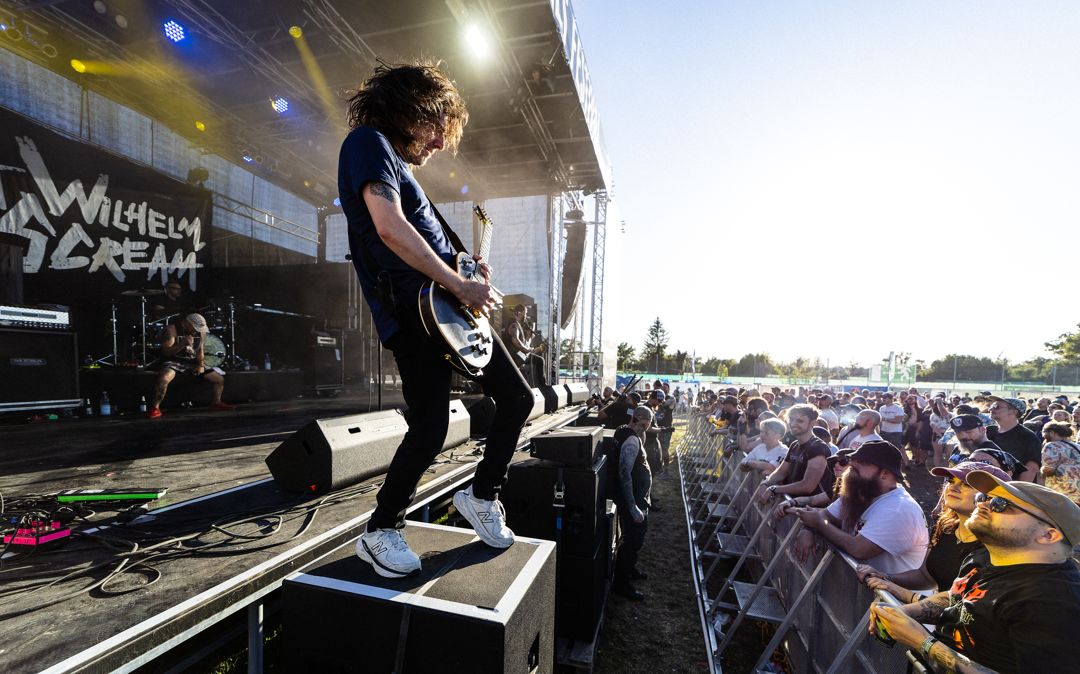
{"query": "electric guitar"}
pixel 464 331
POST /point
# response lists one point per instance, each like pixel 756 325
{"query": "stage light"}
pixel 173 30
pixel 100 7
pixel 200 125
pixel 246 156
pixel 464 189
pixel 477 40
pixel 280 105
pixel 337 201
pixel 297 32
pixel 122 21
pixel 78 66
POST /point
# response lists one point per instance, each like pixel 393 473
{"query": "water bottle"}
pixel 142 404
pixel 88 409
pixel 104 405
pixel 266 362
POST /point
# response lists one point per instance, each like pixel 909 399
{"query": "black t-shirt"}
pixel 1018 618
pixel 799 455
pixel 1020 442
pixel 944 559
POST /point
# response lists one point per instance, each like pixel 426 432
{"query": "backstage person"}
pixel 518 337
pixel 182 345
pixel 632 496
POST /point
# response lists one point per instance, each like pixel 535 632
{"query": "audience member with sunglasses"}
pixel 950 541
pixel 1017 608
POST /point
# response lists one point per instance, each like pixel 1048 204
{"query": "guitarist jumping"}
pixel 400 117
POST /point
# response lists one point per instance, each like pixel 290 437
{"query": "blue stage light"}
pixel 337 201
pixel 174 31
pixel 281 105
pixel 247 158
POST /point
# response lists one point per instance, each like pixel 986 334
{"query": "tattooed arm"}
pixel 951 661
pixel 401 237
pixel 927 611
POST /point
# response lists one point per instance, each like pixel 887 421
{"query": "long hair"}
pixel 948 519
pixel 400 99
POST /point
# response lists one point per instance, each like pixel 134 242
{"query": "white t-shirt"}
pixel 860 440
pixel 775 456
pixel 891 410
pixel 895 523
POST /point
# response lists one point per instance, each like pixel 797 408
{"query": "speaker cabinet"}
pixel 554 397
pixel 577 392
pixel 572 446
pixel 325 371
pixel 582 586
pixel 529 495
pixel 330 454
pixel 38 370
pixel 481 413
pixel 472 608
pixel 538 404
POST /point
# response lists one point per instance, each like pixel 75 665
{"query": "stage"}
pixel 185 575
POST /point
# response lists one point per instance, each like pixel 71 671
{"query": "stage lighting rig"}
pixel 174 31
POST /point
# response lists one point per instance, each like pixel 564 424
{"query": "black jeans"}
pixel 633 537
pixel 425 383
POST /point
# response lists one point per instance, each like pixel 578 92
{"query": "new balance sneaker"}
pixel 388 553
pixel 488 518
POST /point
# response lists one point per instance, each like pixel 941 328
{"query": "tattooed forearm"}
pixel 928 610
pixel 952 661
pixel 383 190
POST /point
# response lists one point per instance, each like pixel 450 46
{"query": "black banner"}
pixel 87 212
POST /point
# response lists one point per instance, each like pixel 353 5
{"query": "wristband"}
pixel 924 650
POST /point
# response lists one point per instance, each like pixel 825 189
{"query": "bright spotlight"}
pixel 200 125
pixel 247 157
pixel 78 66
pixel 173 30
pixel 337 201
pixel 280 105
pixel 477 40
pixel 296 31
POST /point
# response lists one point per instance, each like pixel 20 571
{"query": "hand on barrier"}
pixel 637 515
pixel 865 571
pixel 781 509
pixel 804 545
pixel 906 630
pixel 763 494
pixel 878 583
pixel 812 518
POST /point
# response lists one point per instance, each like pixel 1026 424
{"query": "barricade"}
pixel 820 609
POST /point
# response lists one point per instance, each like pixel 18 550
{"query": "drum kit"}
pixel 219 345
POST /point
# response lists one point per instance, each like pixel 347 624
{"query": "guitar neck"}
pixel 485 232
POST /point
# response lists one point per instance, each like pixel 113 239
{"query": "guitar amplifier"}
pixel 572 446
pixel 38 370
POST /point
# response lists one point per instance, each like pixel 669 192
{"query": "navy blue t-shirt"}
pixel 366 156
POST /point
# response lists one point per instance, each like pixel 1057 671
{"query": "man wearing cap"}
pixel 632 499
pixel 875 520
pixel 971 432
pixel 1014 437
pixel 1017 609
pixel 182 351
pixel 892 420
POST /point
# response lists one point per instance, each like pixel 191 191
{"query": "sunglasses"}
pixel 843 461
pixel 997 504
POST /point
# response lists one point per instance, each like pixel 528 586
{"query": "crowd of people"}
pixel 993 572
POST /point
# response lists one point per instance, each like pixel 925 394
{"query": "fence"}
pixel 820 609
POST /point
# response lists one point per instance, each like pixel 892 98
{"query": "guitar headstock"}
pixel 482 214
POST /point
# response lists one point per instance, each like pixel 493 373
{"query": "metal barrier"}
pixel 820 609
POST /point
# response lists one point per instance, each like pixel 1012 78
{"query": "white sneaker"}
pixel 388 553
pixel 488 518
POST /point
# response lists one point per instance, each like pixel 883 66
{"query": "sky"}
pixel 842 179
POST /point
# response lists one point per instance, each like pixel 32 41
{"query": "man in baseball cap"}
pixel 1013 437
pixel 1017 608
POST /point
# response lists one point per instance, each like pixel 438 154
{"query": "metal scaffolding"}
pixel 596 312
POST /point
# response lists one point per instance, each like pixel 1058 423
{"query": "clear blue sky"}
pixel 834 179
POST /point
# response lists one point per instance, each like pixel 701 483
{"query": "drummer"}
pixel 172 303
pixel 182 352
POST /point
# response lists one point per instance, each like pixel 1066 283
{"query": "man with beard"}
pixel 1014 437
pixel 1014 610
pixel 862 431
pixel 875 520
pixel 971 433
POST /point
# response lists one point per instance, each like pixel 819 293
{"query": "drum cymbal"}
pixel 143 292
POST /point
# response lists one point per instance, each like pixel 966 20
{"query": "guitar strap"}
pixel 458 246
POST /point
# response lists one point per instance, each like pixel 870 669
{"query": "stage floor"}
pixel 212 464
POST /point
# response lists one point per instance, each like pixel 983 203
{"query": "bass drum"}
pixel 213 350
